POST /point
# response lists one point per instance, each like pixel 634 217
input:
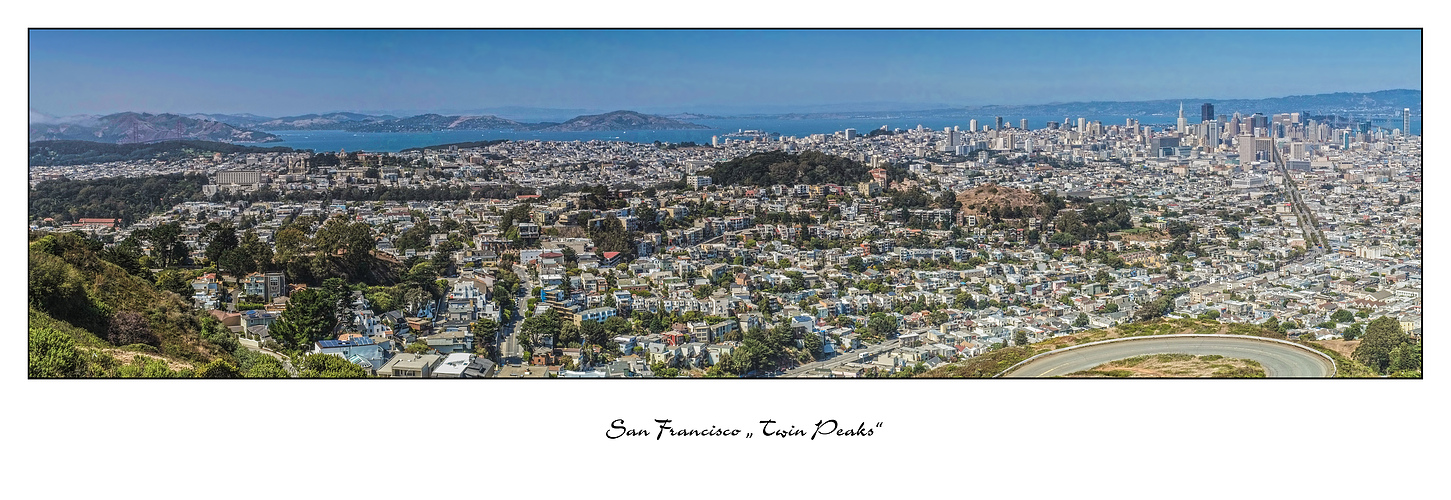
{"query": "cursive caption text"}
pixel 769 428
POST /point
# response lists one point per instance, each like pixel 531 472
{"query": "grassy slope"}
pixel 169 317
pixel 992 363
pixel 102 356
pixel 1176 365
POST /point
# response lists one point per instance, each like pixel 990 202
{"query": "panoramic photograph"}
pixel 724 203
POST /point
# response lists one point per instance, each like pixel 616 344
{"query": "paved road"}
pixel 1279 360
pixel 842 358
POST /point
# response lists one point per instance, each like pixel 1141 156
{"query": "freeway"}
pixel 1280 359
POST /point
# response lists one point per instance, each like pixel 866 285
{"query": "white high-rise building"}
pixel 972 125
pixel 1181 123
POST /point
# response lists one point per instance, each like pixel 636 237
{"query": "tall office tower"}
pixel 1129 122
pixel 1028 145
pixel 1181 122
pixel 1297 150
pixel 1223 119
pixel 1261 121
pixel 1023 124
pixel 1211 134
pixel 1206 111
pixel 951 136
pixel 850 134
pixel 1246 150
pixel 715 141
pixel 1406 121
pixel 972 125
pixel 1082 123
pixel 999 125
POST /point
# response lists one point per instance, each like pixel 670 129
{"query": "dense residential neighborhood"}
pixel 766 255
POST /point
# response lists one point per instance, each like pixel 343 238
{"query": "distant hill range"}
pixel 355 122
pixel 128 128
pixel 620 120
pixel 1380 104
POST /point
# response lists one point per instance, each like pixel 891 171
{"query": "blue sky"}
pixel 287 72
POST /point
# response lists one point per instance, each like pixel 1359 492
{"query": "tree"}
pixel 1081 321
pixel 813 344
pixel 259 365
pixel 130 327
pixel 568 334
pixel 484 328
pixel 1382 335
pixel 218 369
pixel 1352 332
pixel 220 238
pixel 616 326
pixel 1342 316
pixel 1020 338
pixel 1405 357
pixel 329 366
pixel 593 333
pixel 539 325
pixel 339 295
pixel 166 240
pixel 255 253
pixel 882 325
pixel 308 318
pixel 127 254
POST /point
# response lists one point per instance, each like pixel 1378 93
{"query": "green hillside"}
pixel 781 168
pixel 97 304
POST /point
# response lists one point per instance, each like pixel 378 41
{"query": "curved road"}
pixel 1278 359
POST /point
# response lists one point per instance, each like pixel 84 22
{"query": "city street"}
pixel 843 358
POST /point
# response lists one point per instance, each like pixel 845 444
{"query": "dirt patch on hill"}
pixel 1176 366
pixel 124 357
pixel 998 201
pixel 1341 347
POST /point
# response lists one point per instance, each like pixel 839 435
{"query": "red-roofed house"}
pixel 610 258
pixel 109 223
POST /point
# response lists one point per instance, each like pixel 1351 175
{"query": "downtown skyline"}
pixel 293 72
